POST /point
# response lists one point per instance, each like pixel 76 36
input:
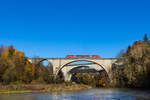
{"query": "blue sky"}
pixel 55 28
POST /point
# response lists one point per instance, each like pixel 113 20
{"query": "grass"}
pixel 29 88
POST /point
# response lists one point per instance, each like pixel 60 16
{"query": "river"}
pixel 91 94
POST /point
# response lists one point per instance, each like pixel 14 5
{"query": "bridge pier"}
pixel 67 76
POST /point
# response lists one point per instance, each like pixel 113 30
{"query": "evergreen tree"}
pixel 145 38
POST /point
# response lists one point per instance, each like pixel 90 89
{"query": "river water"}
pixel 91 94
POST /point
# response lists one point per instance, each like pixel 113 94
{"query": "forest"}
pixel 133 66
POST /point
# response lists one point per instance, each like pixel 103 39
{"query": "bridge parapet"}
pixel 72 58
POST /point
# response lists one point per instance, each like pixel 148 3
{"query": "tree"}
pixel 16 52
pixel 145 38
pixel 11 50
pixel 119 55
pixel 21 54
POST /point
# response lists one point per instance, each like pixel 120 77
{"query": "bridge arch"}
pixel 100 65
pixel 49 64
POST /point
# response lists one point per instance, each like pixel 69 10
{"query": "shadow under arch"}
pixel 82 60
pixel 74 72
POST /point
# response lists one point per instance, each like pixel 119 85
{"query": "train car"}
pixel 82 56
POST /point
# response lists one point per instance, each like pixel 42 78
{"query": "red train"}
pixel 82 56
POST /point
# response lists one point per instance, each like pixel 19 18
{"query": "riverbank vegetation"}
pixel 26 88
pixel 133 66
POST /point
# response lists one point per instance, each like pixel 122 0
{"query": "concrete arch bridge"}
pixel 64 64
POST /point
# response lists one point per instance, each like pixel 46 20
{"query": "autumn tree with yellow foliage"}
pixel 15 68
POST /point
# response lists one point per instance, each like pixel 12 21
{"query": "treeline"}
pixel 133 66
pixel 16 69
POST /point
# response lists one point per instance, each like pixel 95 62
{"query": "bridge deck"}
pixel 74 58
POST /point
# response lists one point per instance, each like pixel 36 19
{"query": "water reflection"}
pixel 93 94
